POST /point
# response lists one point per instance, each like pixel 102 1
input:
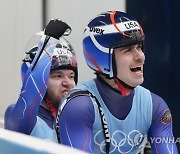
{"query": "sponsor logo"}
pixel 166 118
pixel 96 30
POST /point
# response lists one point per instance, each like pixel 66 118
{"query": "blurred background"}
pixel 161 23
pixel 21 19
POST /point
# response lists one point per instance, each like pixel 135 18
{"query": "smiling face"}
pixel 129 64
pixel 61 81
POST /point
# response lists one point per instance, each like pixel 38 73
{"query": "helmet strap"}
pixel 124 88
pixel 50 106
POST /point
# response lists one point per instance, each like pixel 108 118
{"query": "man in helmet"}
pixel 49 72
pixel 113 113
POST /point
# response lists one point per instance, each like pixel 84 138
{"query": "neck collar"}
pixel 124 88
pixel 50 106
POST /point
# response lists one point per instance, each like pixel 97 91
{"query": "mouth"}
pixel 137 69
pixel 65 92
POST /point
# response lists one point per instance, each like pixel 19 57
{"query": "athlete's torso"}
pixel 125 116
pixel 128 135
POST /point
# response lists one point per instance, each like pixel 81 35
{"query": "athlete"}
pixel 46 78
pixel 113 113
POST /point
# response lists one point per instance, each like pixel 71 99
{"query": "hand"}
pixel 57 28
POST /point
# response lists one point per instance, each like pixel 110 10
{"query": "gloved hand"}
pixel 57 28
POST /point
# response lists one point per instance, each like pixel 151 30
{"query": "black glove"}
pixel 57 28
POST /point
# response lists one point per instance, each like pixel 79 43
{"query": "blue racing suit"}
pixel 27 115
pixel 131 120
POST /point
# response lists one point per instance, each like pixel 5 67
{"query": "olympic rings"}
pixel 121 141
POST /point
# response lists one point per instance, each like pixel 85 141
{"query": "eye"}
pixel 139 47
pixel 72 76
pixel 127 50
pixel 56 76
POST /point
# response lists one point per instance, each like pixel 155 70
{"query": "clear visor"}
pixel 33 41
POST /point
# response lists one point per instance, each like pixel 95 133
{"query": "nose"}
pixel 66 81
pixel 139 55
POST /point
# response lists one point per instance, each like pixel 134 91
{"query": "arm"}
pixel 21 116
pixel 160 134
pixel 76 123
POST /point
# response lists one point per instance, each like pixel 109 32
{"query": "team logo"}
pixel 131 24
pixel 166 118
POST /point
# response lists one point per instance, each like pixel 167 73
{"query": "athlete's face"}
pixel 129 64
pixel 60 83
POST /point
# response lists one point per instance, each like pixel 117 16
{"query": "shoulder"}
pixel 158 102
pixel 76 103
pixel 157 98
pixel 161 111
pixel 142 92
pixel 89 84
pixel 80 103
pixel 77 111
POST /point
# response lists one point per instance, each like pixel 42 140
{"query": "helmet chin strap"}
pixel 123 87
pixel 50 106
